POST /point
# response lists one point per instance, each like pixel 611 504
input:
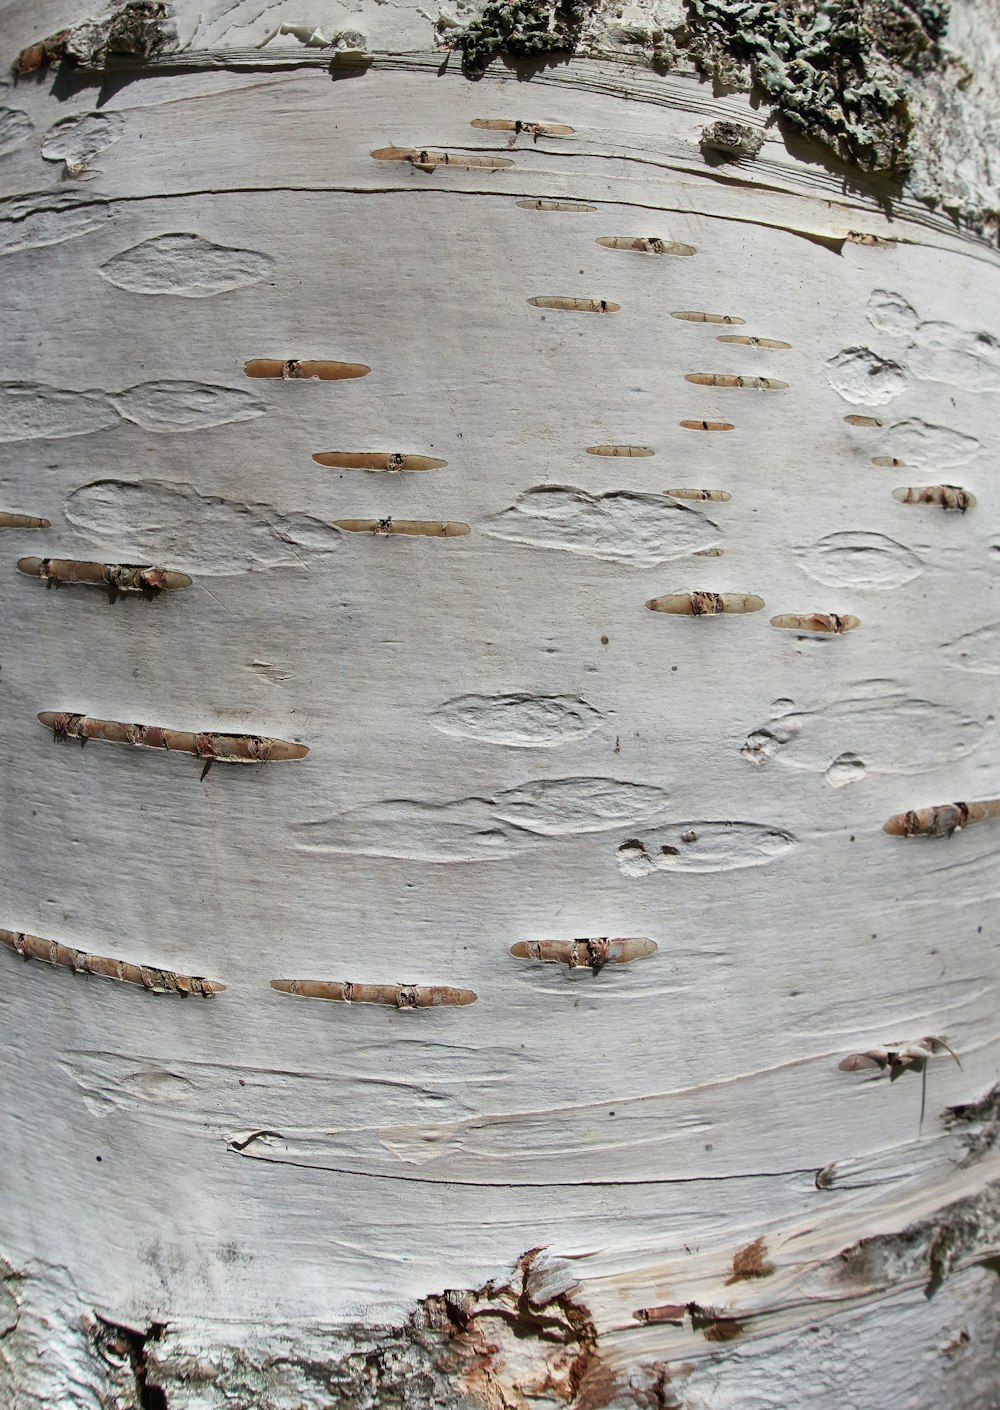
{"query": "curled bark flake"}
pixel 128 33
pixel 732 139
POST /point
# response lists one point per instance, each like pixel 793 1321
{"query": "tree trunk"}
pixel 599 547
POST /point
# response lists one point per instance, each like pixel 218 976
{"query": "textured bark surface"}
pixel 650 939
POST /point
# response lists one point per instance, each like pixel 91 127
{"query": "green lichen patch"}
pixel 519 29
pixel 833 69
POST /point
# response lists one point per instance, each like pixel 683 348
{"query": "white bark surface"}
pixel 505 746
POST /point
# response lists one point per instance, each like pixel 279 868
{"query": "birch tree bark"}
pixel 553 524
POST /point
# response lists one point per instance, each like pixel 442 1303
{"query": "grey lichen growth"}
pixel 519 29
pixel 834 69
pixel 731 139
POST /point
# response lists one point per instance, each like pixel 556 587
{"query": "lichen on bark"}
pixel 521 29
pixel 833 69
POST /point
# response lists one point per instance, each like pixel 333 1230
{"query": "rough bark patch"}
pixel 621 526
pixel 33 222
pixel 209 534
pixel 704 847
pixel 187 266
pixel 885 733
pixel 483 829
pixel 520 721
pixel 855 558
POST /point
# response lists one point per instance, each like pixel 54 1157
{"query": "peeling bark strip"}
pixel 716 496
pixel 574 305
pixel 631 452
pixel 647 245
pixel 942 820
pixel 419 528
pixel 948 497
pixel 723 379
pixel 224 748
pixel 584 954
pixel 815 622
pixel 693 316
pixel 395 462
pixel 294 370
pixel 21 521
pixel 671 1313
pixel 707 425
pixel 429 161
pixel 714 1325
pixel 705 604
pixel 116 578
pixel 157 981
pixel 898 1057
pixel 400 996
pixel 533 129
pixel 747 342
